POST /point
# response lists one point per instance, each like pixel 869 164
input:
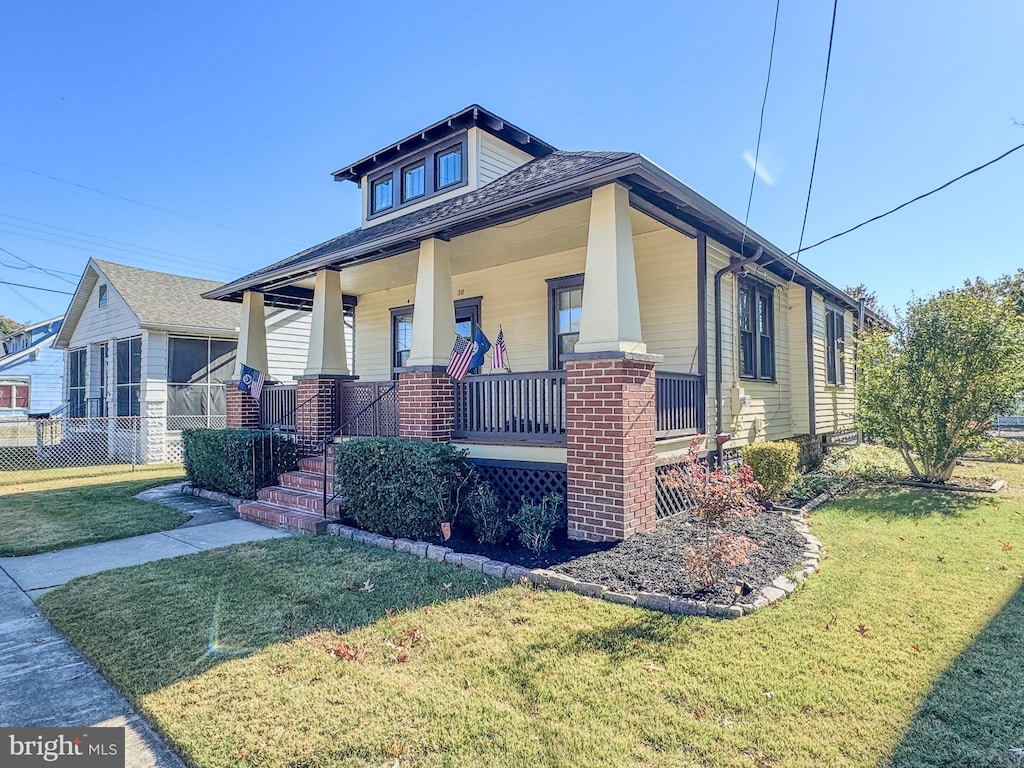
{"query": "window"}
pixel 756 321
pixel 129 375
pixel 414 181
pixel 101 389
pixel 102 294
pixel 449 167
pixel 196 370
pixel 565 300
pixel 382 194
pixel 467 320
pixel 835 344
pixel 14 394
pixel 76 383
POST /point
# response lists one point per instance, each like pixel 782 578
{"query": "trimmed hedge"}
pixel 403 488
pixel 237 461
pixel 774 465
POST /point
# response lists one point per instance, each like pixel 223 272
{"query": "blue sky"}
pixel 235 114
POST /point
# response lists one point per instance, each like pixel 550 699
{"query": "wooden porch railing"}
pixel 513 407
pixel 679 404
pixel 379 420
pixel 277 406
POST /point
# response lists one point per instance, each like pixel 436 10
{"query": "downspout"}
pixel 856 352
pixel 733 267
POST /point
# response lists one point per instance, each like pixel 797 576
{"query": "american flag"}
pixel 251 381
pixel 499 360
pixel 462 354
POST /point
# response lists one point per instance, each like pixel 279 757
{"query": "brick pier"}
pixel 426 405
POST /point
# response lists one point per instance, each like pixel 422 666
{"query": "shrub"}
pixel 1010 451
pixel 811 486
pixel 773 464
pixel 719 498
pixel 536 522
pixel 866 463
pixel 490 517
pixel 403 488
pixel 237 461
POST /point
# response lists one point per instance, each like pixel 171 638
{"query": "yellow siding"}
pixel 833 405
pixel 797 295
pixel 666 277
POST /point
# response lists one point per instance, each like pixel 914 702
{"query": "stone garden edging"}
pixel 779 589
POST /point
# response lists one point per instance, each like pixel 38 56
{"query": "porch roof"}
pixel 541 184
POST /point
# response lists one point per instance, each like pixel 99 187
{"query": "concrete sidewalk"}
pixel 44 681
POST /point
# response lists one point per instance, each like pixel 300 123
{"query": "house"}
pixel 147 356
pixel 31 370
pixel 636 314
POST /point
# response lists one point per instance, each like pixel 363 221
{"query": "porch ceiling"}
pixel 552 231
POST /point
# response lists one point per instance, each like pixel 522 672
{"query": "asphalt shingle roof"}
pixel 159 299
pixel 533 176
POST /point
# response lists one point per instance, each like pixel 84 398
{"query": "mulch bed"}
pixel 653 561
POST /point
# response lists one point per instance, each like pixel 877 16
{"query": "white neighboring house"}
pixel 144 349
pixel 31 370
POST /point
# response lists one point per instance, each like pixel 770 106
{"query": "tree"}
pixel 1008 288
pixel 7 325
pixel 870 299
pixel 932 388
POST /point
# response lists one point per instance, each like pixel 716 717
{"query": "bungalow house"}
pixel 635 312
pixel 31 370
pixel 146 356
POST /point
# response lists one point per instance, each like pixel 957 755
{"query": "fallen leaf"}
pixel 1003 568
pixel 941 559
pixel 1007 546
pixel 769 694
pixel 916 648
pixel 402 657
pixel 389 612
pixel 699 713
pixel 344 652
pixel 652 667
pixel 831 622
pixel 396 750
pixel 862 629
pixel 367 586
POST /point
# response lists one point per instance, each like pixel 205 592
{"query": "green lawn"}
pixel 21 477
pixel 903 651
pixel 52 513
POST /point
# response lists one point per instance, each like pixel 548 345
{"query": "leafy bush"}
pixel 536 522
pixel 719 498
pixel 773 464
pixel 237 461
pixel 403 488
pixel 1011 451
pixel 869 463
pixel 811 486
pixel 491 523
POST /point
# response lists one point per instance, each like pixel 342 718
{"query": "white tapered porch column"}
pixel 252 334
pixel 433 320
pixel 327 355
pixel 611 310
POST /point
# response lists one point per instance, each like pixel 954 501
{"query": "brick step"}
pixel 315 464
pixel 306 481
pixel 275 516
pixel 299 500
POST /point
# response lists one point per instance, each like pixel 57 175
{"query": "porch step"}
pixel 299 500
pixel 276 516
pixel 306 481
pixel 315 464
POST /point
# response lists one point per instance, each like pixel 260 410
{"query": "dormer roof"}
pixel 472 116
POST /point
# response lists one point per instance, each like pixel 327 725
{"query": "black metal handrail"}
pixel 324 444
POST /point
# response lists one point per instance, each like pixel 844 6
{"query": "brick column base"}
pixel 610 424
pixel 242 410
pixel 316 414
pixel 426 406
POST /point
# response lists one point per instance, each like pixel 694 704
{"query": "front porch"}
pixel 603 310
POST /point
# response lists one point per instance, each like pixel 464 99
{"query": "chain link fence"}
pixel 30 445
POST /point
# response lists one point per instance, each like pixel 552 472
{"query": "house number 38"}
pixel 460 292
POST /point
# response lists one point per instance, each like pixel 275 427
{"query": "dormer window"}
pixel 382 194
pixel 102 297
pixel 414 181
pixel 418 176
pixel 449 166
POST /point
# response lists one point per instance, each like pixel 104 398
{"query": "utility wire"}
pixel 760 125
pixel 26 299
pixel 144 204
pixel 36 288
pixel 912 200
pixel 817 138
pixel 50 272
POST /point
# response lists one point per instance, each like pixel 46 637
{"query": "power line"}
pixel 26 299
pixel 144 204
pixel 760 125
pixel 817 138
pixel 36 288
pixel 912 200
pixel 50 272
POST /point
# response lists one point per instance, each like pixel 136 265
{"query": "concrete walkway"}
pixel 44 681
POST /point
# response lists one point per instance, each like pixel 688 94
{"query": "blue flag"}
pixel 480 346
pixel 251 381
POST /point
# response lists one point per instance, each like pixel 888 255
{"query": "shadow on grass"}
pixel 152 625
pixel 891 501
pixel 974 714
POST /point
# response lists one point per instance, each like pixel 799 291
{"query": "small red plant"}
pixel 719 498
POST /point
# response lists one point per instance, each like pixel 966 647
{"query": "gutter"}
pixel 728 269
